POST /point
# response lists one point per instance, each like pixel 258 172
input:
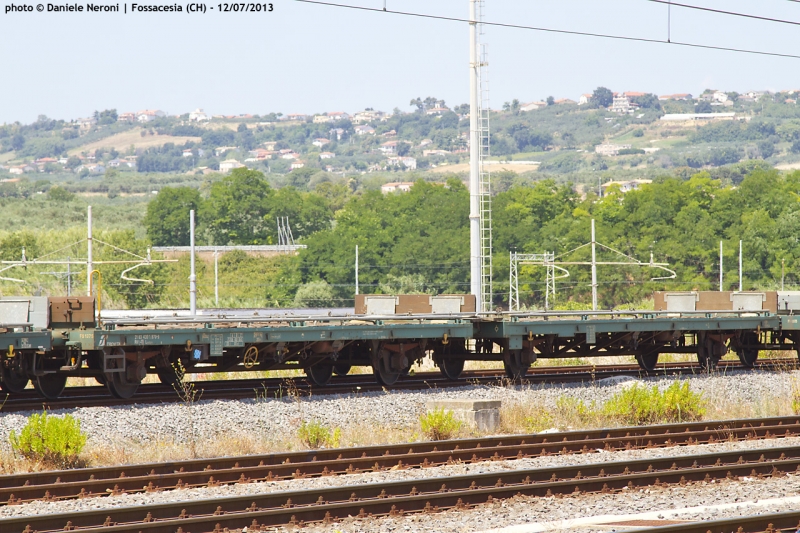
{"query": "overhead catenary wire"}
pixel 724 12
pixel 556 30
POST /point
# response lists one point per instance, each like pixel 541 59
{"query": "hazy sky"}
pixel 305 58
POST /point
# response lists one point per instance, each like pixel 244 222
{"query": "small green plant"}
pixel 52 440
pixel 795 397
pixel 440 424
pixel 315 434
pixel 575 412
pixel 639 404
pixel 538 420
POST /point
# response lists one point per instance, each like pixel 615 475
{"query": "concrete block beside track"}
pixel 483 415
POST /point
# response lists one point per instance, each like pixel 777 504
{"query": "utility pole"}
pixel 474 159
pixel 356 270
pixel 216 279
pixel 741 287
pixel 783 262
pixel 192 276
pixel 720 266
pixel 594 270
pixel 89 263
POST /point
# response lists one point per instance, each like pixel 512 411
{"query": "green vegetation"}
pixel 315 434
pixel 639 405
pixel 440 424
pixel 55 441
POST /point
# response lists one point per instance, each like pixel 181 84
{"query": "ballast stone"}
pixel 484 415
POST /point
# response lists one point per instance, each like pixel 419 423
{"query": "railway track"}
pixel 95 482
pixel 94 396
pixel 428 495
pixel 768 522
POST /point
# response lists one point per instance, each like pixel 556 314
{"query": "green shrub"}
pixel 440 424
pixel 315 434
pixel 575 412
pixel 538 420
pixel 638 404
pixel 50 439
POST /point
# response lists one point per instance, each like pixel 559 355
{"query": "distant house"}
pixel 321 119
pixel 389 147
pixel 368 116
pixel 338 115
pixel 610 149
pixel 625 186
pixel 126 117
pixel 390 133
pixel 296 116
pixel 229 164
pixel 149 115
pixel 327 155
pixel 86 123
pixel 564 101
pixel 678 96
pixel 425 142
pixel 397 186
pixel 532 106
pixel 623 103
pixel 289 155
pixel 114 163
pixel 409 162
pixel 198 115
pixel 270 145
pixel 187 153
pixel 224 149
pixel 339 132
pixel 428 153
pixel 584 99
pixel 297 164
pixel 16 170
pixel 320 142
pixel 364 130
pixel 436 110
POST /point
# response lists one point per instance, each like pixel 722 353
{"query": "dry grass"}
pixel 122 141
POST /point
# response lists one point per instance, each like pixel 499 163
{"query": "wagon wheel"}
pixel 119 386
pixel 119 383
pixel 320 373
pixel 748 355
pixel 451 368
pixel 12 379
pixel 164 369
pixel 648 360
pixel 341 369
pixel 383 374
pixel 50 385
pixel 514 367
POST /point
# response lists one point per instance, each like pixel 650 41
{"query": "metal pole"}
pixel 741 287
pixel 720 266
pixel 192 276
pixel 216 279
pixel 594 271
pixel 69 278
pixel 89 264
pixel 356 270
pixel 783 261
pixel 474 160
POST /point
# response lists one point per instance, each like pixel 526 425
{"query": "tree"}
pixel 403 148
pixel 417 102
pixel 703 107
pixel 167 218
pixel 73 163
pixel 17 142
pixel 551 100
pixel 235 209
pixel 60 194
pixel 315 294
pixel 647 101
pixel 602 97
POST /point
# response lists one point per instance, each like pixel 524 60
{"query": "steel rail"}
pixel 97 395
pixel 769 522
pixel 415 495
pixel 80 483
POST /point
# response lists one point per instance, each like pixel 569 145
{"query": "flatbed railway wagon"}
pixel 121 352
pixel 48 340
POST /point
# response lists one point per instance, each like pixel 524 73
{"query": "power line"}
pixel 554 30
pixel 723 12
